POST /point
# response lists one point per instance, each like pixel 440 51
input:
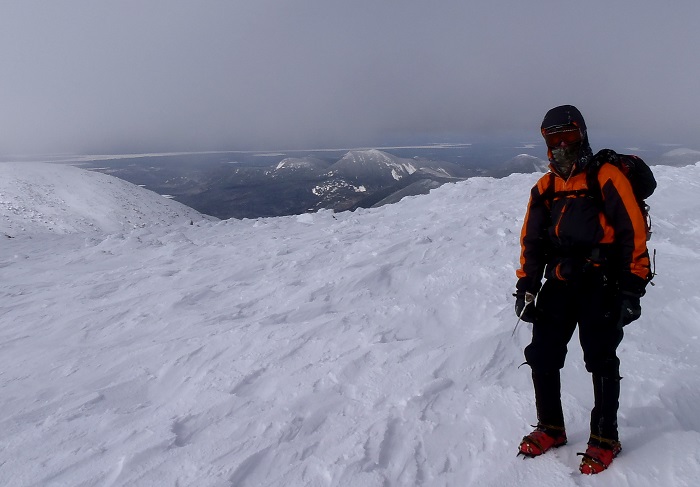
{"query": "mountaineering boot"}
pixel 550 432
pixel 599 455
pixel 542 439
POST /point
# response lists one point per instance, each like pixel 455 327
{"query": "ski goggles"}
pixel 568 134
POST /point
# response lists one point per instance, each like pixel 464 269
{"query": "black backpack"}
pixel 634 168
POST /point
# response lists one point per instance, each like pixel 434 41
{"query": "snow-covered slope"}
pixel 42 197
pixel 359 349
pixel 373 164
pixel 293 164
pixel 525 163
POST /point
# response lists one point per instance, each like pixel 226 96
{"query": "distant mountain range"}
pixel 361 178
pixel 295 185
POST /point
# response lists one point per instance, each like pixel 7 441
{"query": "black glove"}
pixel 527 284
pixel 630 309
pixel 525 306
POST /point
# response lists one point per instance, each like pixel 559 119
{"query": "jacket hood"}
pixel 569 115
pixel 564 115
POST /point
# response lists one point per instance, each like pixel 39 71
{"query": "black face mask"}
pixel 565 157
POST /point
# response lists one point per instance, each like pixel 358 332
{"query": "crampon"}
pixel 599 457
pixel 541 440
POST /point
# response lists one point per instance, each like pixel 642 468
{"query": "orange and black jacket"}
pixel 567 230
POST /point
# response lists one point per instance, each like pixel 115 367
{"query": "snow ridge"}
pixel 55 198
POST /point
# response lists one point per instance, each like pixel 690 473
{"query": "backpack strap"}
pixel 594 189
pixel 593 168
pixel 548 194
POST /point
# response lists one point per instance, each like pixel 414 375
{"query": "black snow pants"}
pixel 593 303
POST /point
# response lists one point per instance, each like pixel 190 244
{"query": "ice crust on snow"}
pixel 370 348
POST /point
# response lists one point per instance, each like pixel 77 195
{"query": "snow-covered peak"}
pixel 528 163
pixel 370 154
pixel 682 152
pixel 373 163
pixel 300 163
pixel 375 156
pixel 57 198
pixel 680 157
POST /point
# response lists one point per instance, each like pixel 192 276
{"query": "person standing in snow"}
pixel 592 253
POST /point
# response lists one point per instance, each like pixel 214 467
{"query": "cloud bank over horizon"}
pixel 178 75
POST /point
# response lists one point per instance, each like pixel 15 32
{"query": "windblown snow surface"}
pixel 371 348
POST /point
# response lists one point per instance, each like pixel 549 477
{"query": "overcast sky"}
pixel 141 75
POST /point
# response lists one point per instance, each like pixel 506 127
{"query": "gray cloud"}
pixel 239 74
